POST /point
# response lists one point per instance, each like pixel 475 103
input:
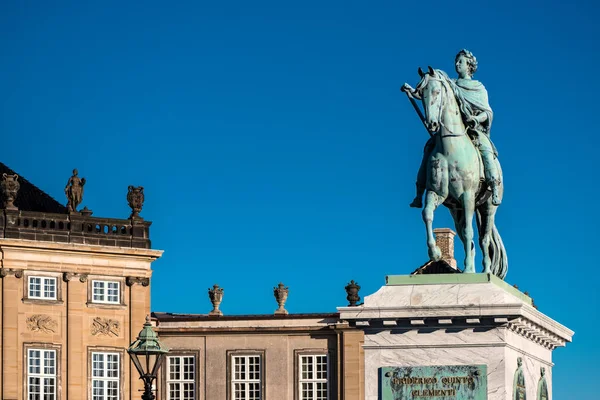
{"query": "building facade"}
pixel 74 294
pixel 293 356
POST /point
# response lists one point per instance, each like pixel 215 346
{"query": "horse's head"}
pixel 432 91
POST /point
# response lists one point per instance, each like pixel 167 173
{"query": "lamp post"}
pixel 147 353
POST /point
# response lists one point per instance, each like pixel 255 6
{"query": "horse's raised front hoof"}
pixel 435 254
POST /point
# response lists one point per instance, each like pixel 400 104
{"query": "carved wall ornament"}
pixel 67 276
pixel 281 295
pixel 135 198
pixel 132 280
pixel 18 273
pixel 352 290
pixel 105 326
pixel 216 296
pixel 41 323
pixel 74 191
pixel 10 188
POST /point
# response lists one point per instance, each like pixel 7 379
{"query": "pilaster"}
pixel 353 365
pixel 139 308
pixel 77 332
pixel 12 294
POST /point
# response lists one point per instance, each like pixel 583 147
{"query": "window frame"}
pixel 105 350
pixel 164 387
pixel 230 372
pixel 43 280
pixel 57 365
pixel 105 294
pixel 120 304
pixel 28 275
pixel 331 371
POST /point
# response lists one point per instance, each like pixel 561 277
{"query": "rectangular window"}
pixel 246 377
pixel 105 376
pixel 41 374
pixel 181 378
pixel 313 377
pixel 41 287
pixel 105 292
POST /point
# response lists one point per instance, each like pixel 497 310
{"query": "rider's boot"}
pixel 496 200
pixel 418 200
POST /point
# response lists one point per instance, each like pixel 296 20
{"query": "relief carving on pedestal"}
pixel 41 323
pixel 105 326
pixel 542 393
pixel 519 390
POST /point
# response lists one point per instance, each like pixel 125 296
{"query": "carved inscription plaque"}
pixel 445 382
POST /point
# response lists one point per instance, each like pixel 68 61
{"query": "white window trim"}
pixel 313 356
pixel 42 375
pixel 105 379
pixel 181 381
pixel 247 380
pixel 42 284
pixel 105 294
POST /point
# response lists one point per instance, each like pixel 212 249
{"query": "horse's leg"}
pixel 432 201
pixel 485 221
pixel 469 207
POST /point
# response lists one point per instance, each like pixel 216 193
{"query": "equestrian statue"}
pixel 460 166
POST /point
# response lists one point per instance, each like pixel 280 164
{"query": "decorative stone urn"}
pixel 10 188
pixel 216 296
pixel 135 198
pixel 281 295
pixel 86 212
pixel 352 289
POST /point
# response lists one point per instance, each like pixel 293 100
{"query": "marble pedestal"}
pixel 457 319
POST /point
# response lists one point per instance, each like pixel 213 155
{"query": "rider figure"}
pixel 477 114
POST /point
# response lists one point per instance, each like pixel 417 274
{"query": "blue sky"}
pixel 274 145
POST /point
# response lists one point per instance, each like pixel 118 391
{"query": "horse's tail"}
pixel 497 252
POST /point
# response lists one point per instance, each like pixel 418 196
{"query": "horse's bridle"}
pixel 419 89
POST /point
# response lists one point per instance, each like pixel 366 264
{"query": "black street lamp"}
pixel 147 354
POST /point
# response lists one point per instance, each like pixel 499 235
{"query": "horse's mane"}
pixel 442 77
pixel 445 78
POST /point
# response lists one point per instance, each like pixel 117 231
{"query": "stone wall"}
pixel 72 324
pixel 279 339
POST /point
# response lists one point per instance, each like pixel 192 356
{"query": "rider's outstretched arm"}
pixel 410 91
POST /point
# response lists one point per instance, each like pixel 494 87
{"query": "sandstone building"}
pixel 75 293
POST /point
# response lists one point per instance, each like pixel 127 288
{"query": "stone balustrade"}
pixel 74 228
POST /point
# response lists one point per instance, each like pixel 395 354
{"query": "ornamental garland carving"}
pixel 67 276
pixel 18 273
pixel 41 323
pixel 105 326
pixel 132 280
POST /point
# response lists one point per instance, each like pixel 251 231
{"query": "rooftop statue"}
pixel 460 166
pixel 74 191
